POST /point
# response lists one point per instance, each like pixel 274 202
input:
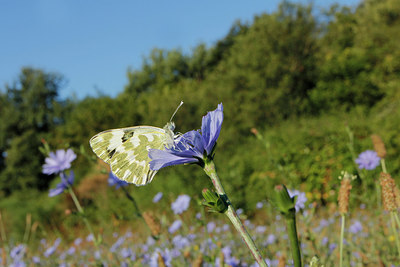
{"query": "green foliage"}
pixel 30 112
pixel 295 77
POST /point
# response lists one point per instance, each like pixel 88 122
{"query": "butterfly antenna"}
pixel 176 110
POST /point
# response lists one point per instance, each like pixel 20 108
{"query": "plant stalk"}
pixel 341 241
pixel 82 212
pixel 210 170
pixel 394 231
pixel 294 241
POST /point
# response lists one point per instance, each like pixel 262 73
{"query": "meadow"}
pixel 300 168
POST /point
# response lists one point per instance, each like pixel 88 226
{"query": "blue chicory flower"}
pixel 193 146
pixel 211 226
pixel 180 242
pixel 175 226
pixel 113 180
pixel 58 161
pixel 157 197
pixel 355 227
pixel 165 255
pixel 368 160
pixel 65 183
pixel 180 204
pixel 53 248
pixel 17 252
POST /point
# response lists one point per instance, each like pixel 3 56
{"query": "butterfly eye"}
pixel 171 126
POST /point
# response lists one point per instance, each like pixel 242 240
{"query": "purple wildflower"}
pixel 181 204
pixel 65 183
pixel 259 205
pixel 59 161
pixel 17 252
pixel 175 226
pixel 355 227
pixel 165 255
pixel 368 160
pixel 180 242
pixel 113 180
pixel 53 248
pixel 270 239
pixel 301 199
pixel 157 197
pixel 117 244
pixel 211 226
pixel 332 247
pixel 193 146
pixel 261 229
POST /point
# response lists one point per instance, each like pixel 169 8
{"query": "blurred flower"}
pixel 193 146
pixel 211 226
pixel 113 180
pixel 175 226
pixel 117 244
pixel 71 250
pixel 259 205
pixel 78 241
pixel 239 211
pixel 159 255
pixel 49 251
pixel 270 239
pixel 126 252
pixel 181 204
pixel 65 183
pixel 157 197
pixel 261 229
pixel 36 259
pixel 355 227
pixel 301 199
pixel 332 247
pixel 17 252
pixel 180 242
pixel 59 161
pixel 90 238
pixel 368 160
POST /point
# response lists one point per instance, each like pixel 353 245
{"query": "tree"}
pixel 30 111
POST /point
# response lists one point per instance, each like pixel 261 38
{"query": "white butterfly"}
pixel 126 149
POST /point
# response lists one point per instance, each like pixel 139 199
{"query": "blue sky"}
pixel 94 42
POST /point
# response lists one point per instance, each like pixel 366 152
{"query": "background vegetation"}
pixel 298 76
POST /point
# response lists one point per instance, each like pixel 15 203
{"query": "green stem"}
pixel 294 241
pixel 341 241
pixel 130 197
pixel 383 164
pixel 397 219
pixel 82 212
pixel 209 169
pixel 394 231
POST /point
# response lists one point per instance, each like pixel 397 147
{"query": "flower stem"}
pixel 131 198
pixel 341 241
pixel 82 212
pixel 383 165
pixel 294 241
pixel 394 231
pixel 210 170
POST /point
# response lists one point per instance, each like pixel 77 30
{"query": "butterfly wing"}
pixel 126 150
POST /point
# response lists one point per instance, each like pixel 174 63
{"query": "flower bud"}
pixel 379 146
pixel 216 203
pixel 344 192
pixel 282 200
pixel 388 195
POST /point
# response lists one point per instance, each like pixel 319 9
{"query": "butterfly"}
pixel 126 149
